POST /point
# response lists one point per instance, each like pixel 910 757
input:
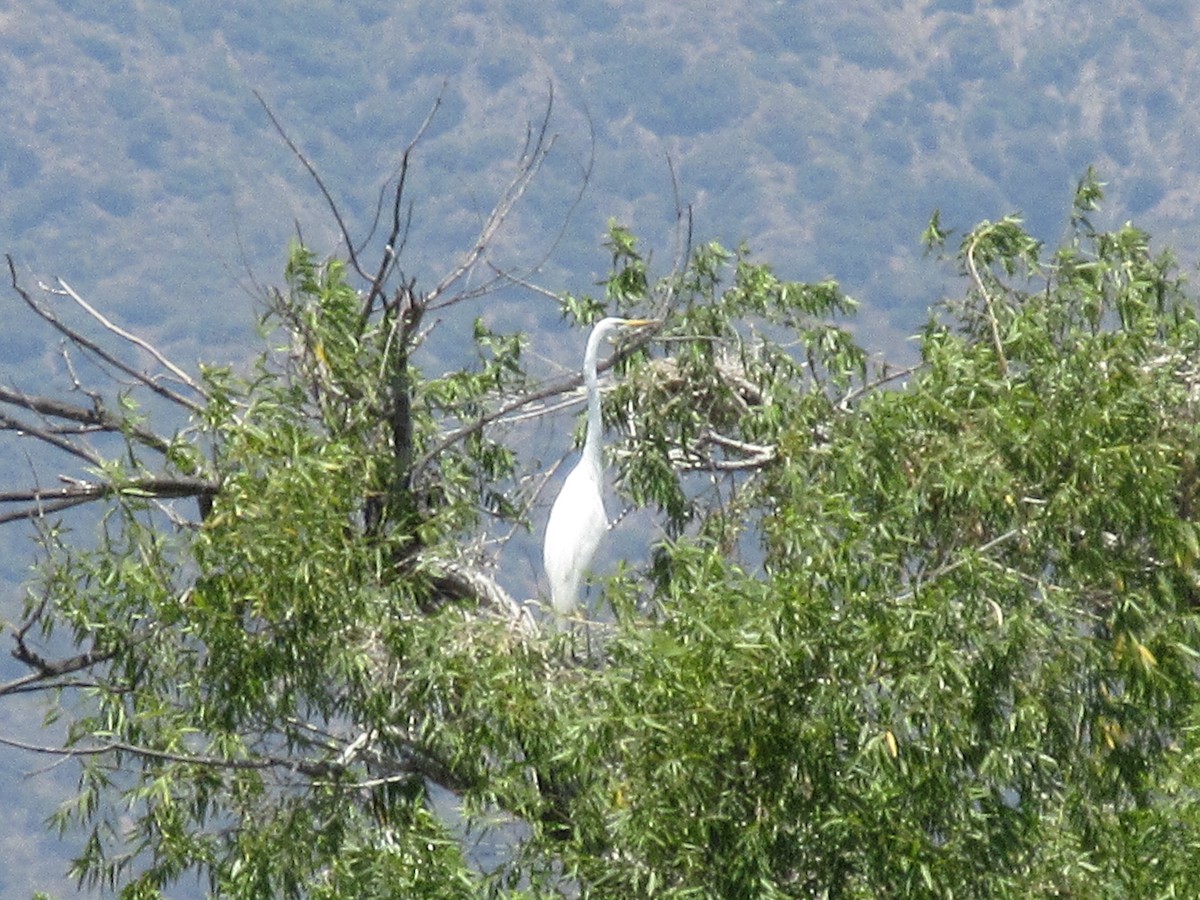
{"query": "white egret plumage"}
pixel 578 519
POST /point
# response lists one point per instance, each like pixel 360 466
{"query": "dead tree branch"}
pixel 46 501
pixel 538 143
pixel 85 343
pixel 178 373
pixel 97 418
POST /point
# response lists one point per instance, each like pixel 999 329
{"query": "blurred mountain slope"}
pixel 136 161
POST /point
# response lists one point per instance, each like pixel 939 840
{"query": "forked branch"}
pixel 80 340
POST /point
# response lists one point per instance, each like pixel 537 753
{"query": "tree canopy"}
pixel 919 631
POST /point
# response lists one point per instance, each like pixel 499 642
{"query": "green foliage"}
pixel 969 666
pixel 728 380
pixel 935 636
pixel 971 669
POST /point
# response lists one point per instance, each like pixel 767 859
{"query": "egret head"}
pixel 610 329
pixel 615 325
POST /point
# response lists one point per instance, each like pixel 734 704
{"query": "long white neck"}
pixel 595 426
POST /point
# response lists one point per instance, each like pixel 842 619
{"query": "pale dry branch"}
pixel 84 343
pixel 754 456
pixel 525 283
pixel 693 458
pixel 585 179
pixel 538 143
pixel 991 312
pixel 455 580
pixel 162 360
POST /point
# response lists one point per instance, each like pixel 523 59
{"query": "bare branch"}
pixel 456 581
pixel 44 509
pixel 310 768
pixel 523 282
pixel 181 375
pixel 755 456
pixel 48 670
pixel 398 236
pixel 95 418
pixel 91 346
pixel 312 171
pixel 48 673
pixel 537 146
pixel 45 501
pixel 683 215
pixel 585 179
pixel 48 436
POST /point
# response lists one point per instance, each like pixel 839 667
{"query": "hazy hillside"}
pixel 136 162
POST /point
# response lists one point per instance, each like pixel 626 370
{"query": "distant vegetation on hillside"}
pixel 134 157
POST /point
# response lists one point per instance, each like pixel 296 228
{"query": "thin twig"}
pixel 310 768
pixel 401 172
pixel 867 387
pixel 97 417
pixel 398 236
pixel 537 146
pixel 41 510
pixel 46 436
pixel 312 171
pixel 522 282
pixel 958 563
pixel 585 181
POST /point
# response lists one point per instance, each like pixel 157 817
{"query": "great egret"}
pixel 578 519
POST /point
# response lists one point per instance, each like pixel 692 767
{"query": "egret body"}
pixel 578 519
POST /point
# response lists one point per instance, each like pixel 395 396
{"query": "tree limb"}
pixel 48 436
pixel 181 375
pixel 85 343
pixel 50 500
pixel 96 417
pixel 538 143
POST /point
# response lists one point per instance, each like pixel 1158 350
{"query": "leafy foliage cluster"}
pixel 922 632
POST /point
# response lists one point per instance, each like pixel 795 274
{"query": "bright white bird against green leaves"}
pixel 578 519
